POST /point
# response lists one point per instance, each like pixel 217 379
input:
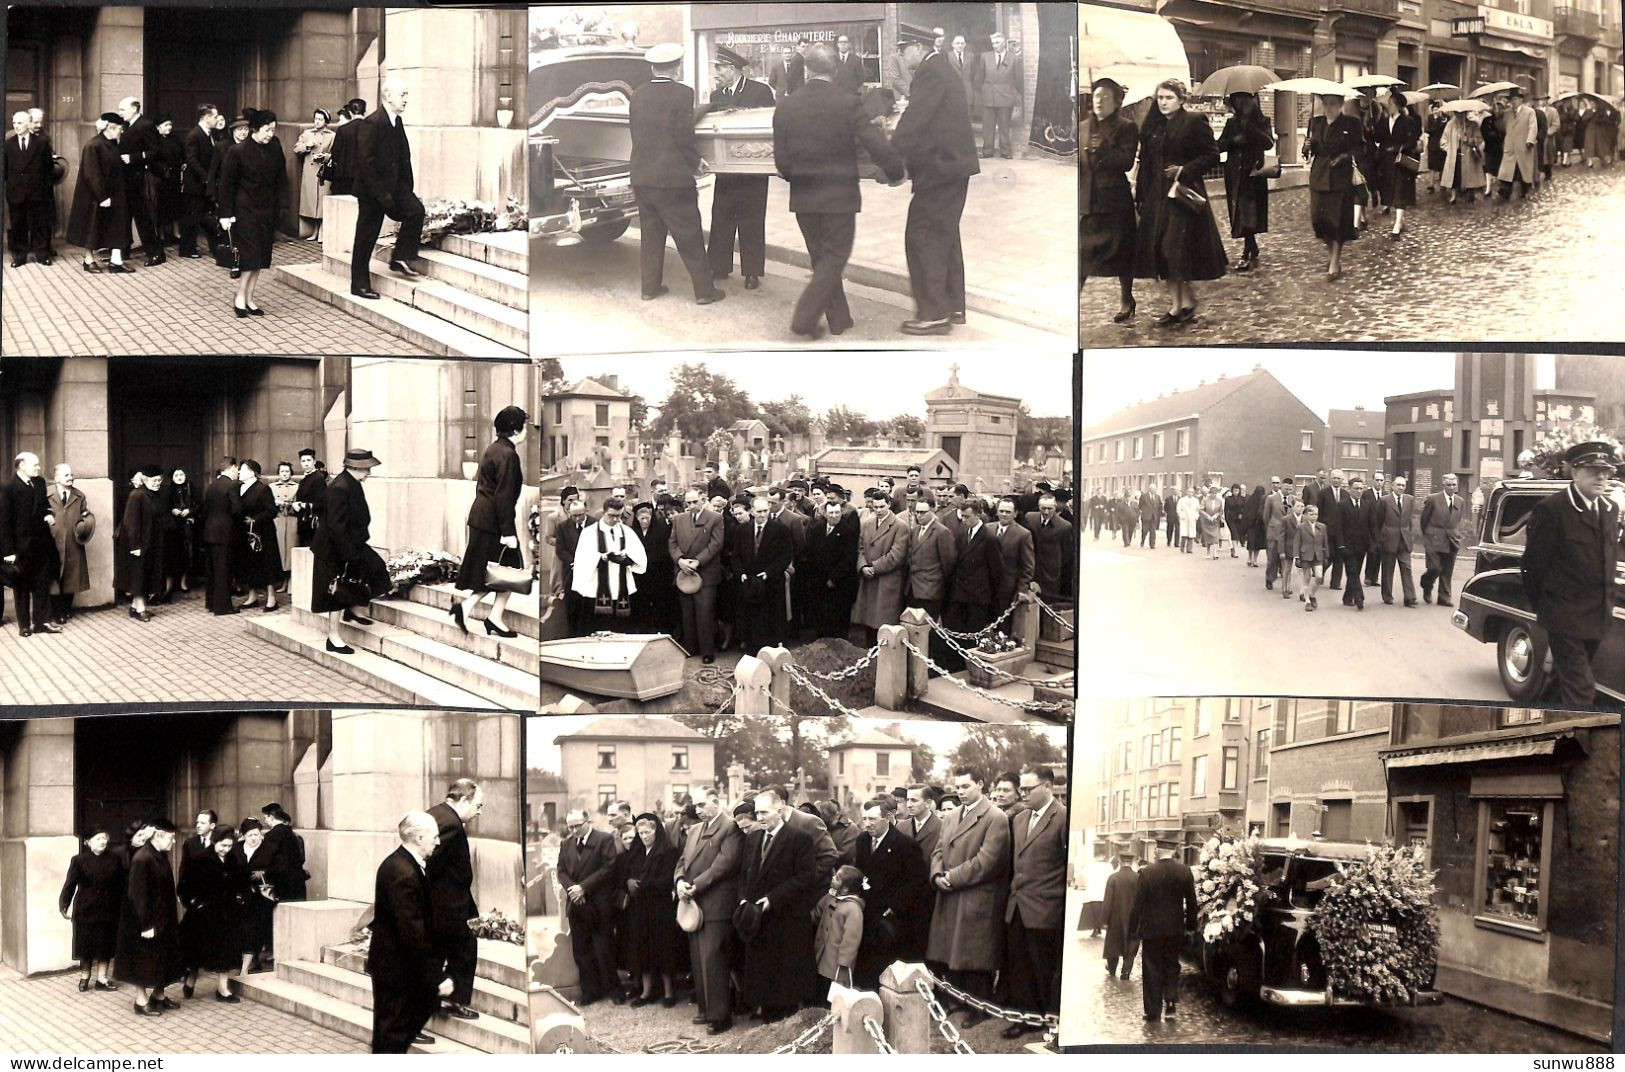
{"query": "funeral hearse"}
pixel 1493 608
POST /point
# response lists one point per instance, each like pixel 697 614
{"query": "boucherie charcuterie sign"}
pixel 778 38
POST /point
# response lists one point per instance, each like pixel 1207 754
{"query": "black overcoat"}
pixel 101 178
pixel 779 961
pixel 149 904
pixel 1245 140
pixel 1176 242
pixel 253 189
pixel 1569 564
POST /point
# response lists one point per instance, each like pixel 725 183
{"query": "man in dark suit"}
pixel 832 568
pixel 1371 510
pixel 27 545
pixel 1356 518
pixel 28 160
pixel 1116 912
pixel 197 161
pixel 781 885
pixel 665 158
pixel 1329 500
pixel 708 873
pixel 921 823
pixel 566 539
pixel 222 516
pixel 1393 539
pixel 138 146
pixel 848 76
pixel 796 523
pixel 307 497
pixel 1054 548
pixel 1569 569
pixel 343 149
pixel 815 148
pixel 738 202
pixel 788 73
pixel 451 891
pixel 383 187
pixel 1016 552
pixel 587 873
pixel 1164 910
pixel 1441 538
pixel 934 135
pixel 714 484
pixel 696 547
pixel 1032 916
pixel 762 550
pixel 964 62
pixel 898 901
pixel 406 972
pixel 979 576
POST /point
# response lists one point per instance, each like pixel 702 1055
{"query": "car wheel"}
pixel 1238 982
pixel 1523 661
pixel 605 234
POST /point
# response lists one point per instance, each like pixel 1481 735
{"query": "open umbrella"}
pixel 1439 87
pixel 1318 87
pixel 1416 96
pixel 1465 106
pixel 1493 88
pixel 1372 81
pixel 1242 78
pixel 1601 102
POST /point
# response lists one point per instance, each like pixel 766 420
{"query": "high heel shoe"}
pixel 496 630
pixel 242 314
pixel 457 616
pixel 1166 320
pixel 1125 313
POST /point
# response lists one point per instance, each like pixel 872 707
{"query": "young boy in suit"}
pixel 1290 524
pixel 1312 554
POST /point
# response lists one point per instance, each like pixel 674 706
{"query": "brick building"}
pixel 587 423
pixel 1602 377
pixel 1236 429
pixel 1354 443
pixel 643 760
pixel 1324 775
pixel 974 428
pixel 871 764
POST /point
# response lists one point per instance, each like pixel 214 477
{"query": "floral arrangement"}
pixel 455 215
pixel 1550 450
pixel 1228 893
pixel 1377 926
pixel 997 643
pixel 361 936
pixel 498 928
pixel 410 567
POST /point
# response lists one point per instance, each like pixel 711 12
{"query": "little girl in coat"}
pixel 840 925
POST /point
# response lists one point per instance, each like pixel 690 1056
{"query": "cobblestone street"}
pixel 184 655
pixel 47 1015
pixel 179 307
pixel 1540 271
pixel 1101 1010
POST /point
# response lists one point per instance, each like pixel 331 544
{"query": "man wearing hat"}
pixel 138 146
pixel 1517 172
pixel 28 162
pixel 934 136
pixel 738 202
pixel 665 158
pixel 1568 568
pixel 73 527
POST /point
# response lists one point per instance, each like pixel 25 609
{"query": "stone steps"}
pixel 488 318
pixel 474 276
pixel 436 625
pixel 491 1033
pixel 523 615
pixel 944 700
pixel 500 249
pixel 1058 653
pixel 311 1005
pixel 402 683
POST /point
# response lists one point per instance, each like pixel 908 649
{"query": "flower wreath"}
pixel 1378 927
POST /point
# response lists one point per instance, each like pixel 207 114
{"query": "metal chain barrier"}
pixel 985 630
pixel 842 675
pixel 877 1036
pixel 1049 610
pixel 1046 1020
pixel 682 1045
pixel 600 1046
pixel 799 676
pixel 945 1028
pixel 807 1037
pixel 972 657
pixel 1060 707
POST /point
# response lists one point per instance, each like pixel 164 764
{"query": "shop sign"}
pixel 1466 27
pixel 1512 24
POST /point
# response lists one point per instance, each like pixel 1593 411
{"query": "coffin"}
pixel 740 142
pixel 633 666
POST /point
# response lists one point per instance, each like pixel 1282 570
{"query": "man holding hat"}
pixel 738 202
pixel 138 146
pixel 72 529
pixel 665 158
pixel 1568 568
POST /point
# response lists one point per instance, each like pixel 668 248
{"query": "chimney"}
pixel 612 382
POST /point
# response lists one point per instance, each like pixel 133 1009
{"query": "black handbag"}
pixel 227 255
pixel 1409 164
pixel 348 589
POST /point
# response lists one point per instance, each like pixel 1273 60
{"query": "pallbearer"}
pixel 738 202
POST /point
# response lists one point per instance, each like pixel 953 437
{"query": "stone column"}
pixel 379 761
pixel 398 411
pixel 908 1018
pixel 36 843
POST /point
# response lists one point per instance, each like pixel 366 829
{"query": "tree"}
pixel 842 425
pixel 923 760
pixel 992 749
pixel 786 417
pixel 906 426
pixel 640 408
pixel 700 402
pixel 1051 433
pixel 770 748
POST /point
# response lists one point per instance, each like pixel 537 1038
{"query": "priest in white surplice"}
pixel 609 557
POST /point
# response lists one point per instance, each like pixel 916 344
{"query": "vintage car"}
pixel 1493 608
pixel 1277 959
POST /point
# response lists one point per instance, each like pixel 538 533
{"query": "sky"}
pixel 1322 379
pixel 542 754
pixel 879 385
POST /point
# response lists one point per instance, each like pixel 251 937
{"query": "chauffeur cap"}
pixel 730 57
pixel 1594 453
pixel 664 54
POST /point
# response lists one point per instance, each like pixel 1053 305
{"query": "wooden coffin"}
pixel 633 666
pixel 740 142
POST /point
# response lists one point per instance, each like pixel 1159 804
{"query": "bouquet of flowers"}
pixel 361 937
pixel 411 566
pixel 455 215
pixel 498 927
pixel 1377 926
pixel 997 644
pixel 1550 450
pixel 1228 894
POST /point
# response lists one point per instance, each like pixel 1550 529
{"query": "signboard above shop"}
pixel 1512 24
pixel 1466 27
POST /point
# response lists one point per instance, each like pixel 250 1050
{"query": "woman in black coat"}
pixel 1252 524
pixel 1106 226
pixel 1435 125
pixel 140 564
pixel 91 895
pixel 214 890
pixel 1235 517
pixel 148 948
pixel 652 935
pixel 493 528
pixel 1244 141
pixel 100 215
pixel 1178 242
pixel 178 507
pixel 341 550
pixel 1399 136
pixel 253 189
pixel 254 922
pixel 171 157
pixel 1334 139
pixel 256 558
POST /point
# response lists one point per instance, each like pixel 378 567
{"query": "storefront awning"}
pixel 1477 753
pixel 1134 48
pixel 1503 44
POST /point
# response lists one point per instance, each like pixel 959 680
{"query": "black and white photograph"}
pixel 720 532
pixel 778 885
pixel 1347 875
pixel 1419 525
pixel 1350 172
pixel 896 175
pixel 317 881
pixel 336 530
pixel 322 180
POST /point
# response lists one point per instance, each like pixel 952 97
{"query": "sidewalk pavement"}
pixel 47 1015
pixel 1589 1019
pixel 1020 242
pixel 185 655
pixel 180 307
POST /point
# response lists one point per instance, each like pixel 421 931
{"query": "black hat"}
pixel 112 117
pixel 913 35
pixel 1111 84
pixel 644 505
pixel 358 458
pixel 731 58
pixel 747 921
pixel 1593 453
pixel 747 809
pixel 150 471
pixel 163 117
